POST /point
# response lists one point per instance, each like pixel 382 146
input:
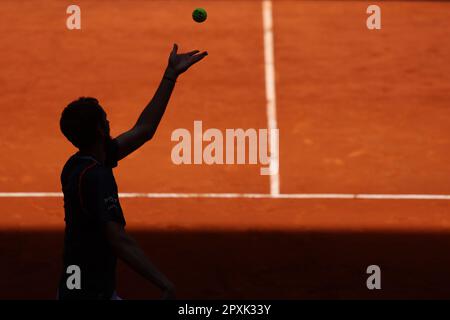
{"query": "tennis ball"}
pixel 199 15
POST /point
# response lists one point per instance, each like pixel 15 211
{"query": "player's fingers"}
pixel 191 53
pixel 199 57
pixel 175 48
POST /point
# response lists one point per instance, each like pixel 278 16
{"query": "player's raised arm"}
pixel 148 121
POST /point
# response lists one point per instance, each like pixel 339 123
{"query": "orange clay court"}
pixel 359 112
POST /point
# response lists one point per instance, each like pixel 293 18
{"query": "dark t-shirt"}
pixel 90 201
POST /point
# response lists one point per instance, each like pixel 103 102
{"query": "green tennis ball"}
pixel 199 15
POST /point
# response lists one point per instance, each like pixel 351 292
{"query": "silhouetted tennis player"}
pixel 95 226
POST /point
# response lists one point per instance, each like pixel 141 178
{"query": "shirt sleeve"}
pixel 112 153
pixel 100 198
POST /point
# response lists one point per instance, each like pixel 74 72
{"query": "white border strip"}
pixel 307 196
pixel 269 70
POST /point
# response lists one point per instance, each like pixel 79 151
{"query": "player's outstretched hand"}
pixel 180 62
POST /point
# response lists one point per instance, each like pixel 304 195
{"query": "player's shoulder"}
pixel 98 175
pixel 86 169
pixel 75 165
pixel 97 171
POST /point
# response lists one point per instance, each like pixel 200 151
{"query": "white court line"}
pixel 307 196
pixel 271 106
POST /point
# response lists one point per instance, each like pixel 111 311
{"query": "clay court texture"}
pixel 364 146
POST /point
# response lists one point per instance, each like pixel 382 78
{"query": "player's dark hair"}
pixel 79 121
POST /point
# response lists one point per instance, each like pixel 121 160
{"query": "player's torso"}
pixel 85 244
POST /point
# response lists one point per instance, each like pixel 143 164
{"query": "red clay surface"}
pixel 359 111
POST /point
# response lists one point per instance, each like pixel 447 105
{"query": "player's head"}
pixel 84 123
